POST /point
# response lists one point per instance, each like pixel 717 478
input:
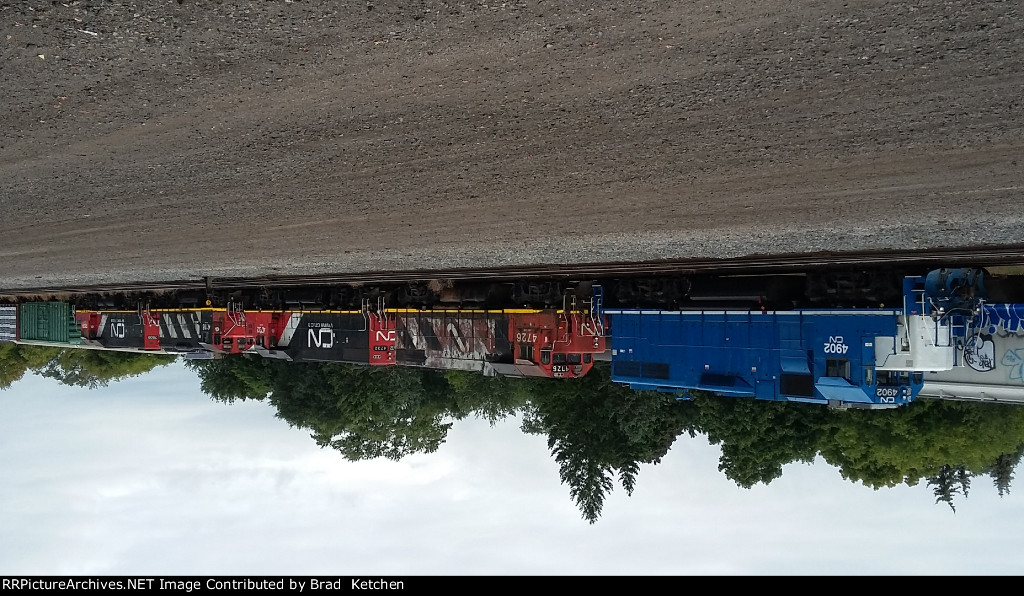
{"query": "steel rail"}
pixel 978 256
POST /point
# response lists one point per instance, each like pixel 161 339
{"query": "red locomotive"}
pixel 547 342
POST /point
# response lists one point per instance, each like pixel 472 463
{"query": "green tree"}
pixel 490 398
pixel 905 445
pixel 77 367
pixel 598 430
pixel 601 432
pixel 237 377
pixel 365 412
pixel 1001 470
pixel 362 411
pixel 759 437
pixel 96 368
pixel 948 482
pixel 17 359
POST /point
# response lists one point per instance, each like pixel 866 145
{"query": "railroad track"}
pixel 980 256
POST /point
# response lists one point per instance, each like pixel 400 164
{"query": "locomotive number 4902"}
pixel 887 395
pixel 835 345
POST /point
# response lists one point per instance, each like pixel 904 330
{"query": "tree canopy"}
pixel 74 366
pixel 601 433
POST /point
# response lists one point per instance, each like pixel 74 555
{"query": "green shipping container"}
pixel 49 322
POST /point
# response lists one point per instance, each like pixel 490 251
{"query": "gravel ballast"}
pixel 164 140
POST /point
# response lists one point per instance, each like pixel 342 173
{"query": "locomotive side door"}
pixel 867 372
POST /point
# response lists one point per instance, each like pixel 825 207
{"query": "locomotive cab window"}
pixel 575 358
pixel 559 358
pixel 892 377
pixel 526 352
pixel 545 356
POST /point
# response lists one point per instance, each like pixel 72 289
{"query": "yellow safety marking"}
pixel 102 311
pixel 521 311
pixel 468 311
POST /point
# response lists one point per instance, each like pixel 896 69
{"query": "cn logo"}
pixel 385 336
pixel 118 330
pixel 836 345
pixel 321 338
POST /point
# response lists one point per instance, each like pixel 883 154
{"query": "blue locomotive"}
pixel 872 358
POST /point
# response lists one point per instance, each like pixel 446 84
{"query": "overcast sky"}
pixel 150 476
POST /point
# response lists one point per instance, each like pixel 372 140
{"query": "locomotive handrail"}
pixel 564 315
pixel 596 315
pixel 382 312
pixel 235 315
pixel 364 310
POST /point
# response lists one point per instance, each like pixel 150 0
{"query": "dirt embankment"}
pixel 145 140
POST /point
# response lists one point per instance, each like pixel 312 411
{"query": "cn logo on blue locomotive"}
pixel 835 345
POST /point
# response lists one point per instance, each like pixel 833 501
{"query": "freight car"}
pixel 992 361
